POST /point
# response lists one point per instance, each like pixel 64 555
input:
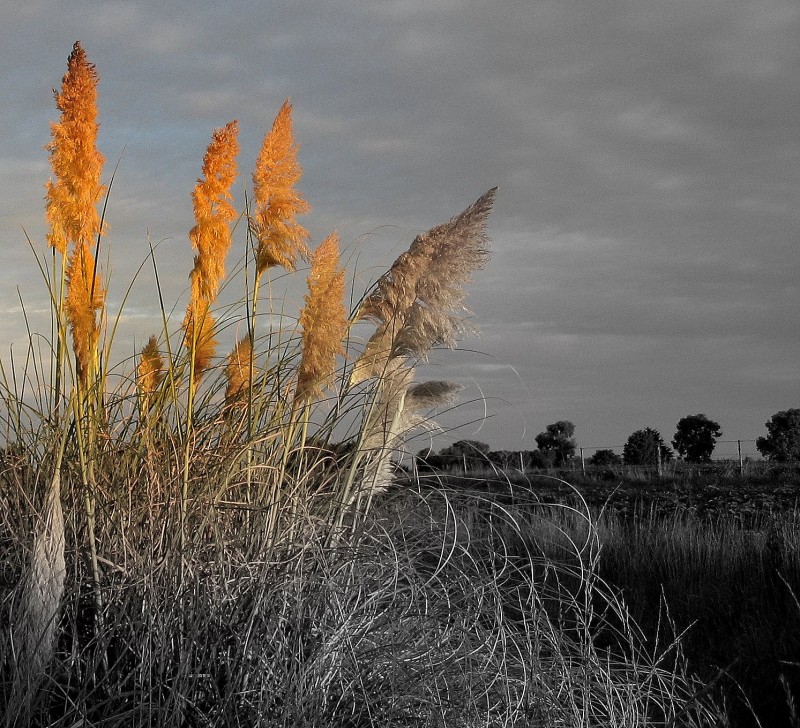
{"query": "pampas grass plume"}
pixel 414 304
pixel 85 299
pixel 211 237
pixel 150 371
pixel 238 371
pixel 323 321
pixel 280 238
pixel 77 165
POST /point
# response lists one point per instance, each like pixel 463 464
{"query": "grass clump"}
pixel 215 540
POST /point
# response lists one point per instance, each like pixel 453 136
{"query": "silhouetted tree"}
pixel 470 448
pixel 696 437
pixel 783 441
pixel 605 459
pixel 557 439
pixel 643 448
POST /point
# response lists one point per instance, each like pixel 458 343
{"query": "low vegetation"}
pixel 708 557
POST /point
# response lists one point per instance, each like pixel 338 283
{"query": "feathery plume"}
pixel 77 165
pixel 415 302
pixel 199 334
pixel 85 299
pixel 238 371
pixel 323 321
pixel 211 237
pixel 213 211
pixel 280 238
pixel 150 371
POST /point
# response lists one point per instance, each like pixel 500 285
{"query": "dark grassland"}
pixel 707 555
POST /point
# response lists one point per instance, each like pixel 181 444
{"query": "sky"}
pixel 645 262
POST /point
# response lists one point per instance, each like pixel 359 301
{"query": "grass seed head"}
pixel 71 199
pixel 280 238
pixel 323 321
pixel 415 303
pixel 238 371
pixel 85 299
pixel 150 371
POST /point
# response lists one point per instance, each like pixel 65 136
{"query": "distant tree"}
pixel 557 439
pixel 469 453
pixel 644 447
pixel 537 459
pixel 605 459
pixel 470 448
pixel 504 459
pixel 783 441
pixel 696 437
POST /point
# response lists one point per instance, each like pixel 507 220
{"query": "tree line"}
pixel 694 441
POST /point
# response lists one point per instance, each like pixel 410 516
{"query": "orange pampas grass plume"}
pixel 238 371
pixel 72 198
pixel 280 238
pixel 85 299
pixel 323 321
pixel 150 371
pixel 71 204
pixel 211 238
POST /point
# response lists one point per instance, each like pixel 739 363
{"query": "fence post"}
pixel 521 464
pixel 583 464
pixel 658 460
pixel 741 462
pixel 464 457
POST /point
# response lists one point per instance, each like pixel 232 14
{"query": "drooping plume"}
pixel 397 411
pixel 211 237
pixel 279 237
pixel 323 321
pixel 416 303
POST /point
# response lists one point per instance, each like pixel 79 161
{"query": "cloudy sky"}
pixel 645 236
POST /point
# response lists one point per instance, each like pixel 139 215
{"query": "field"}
pixel 705 555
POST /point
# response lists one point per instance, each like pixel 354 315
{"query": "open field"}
pixel 712 557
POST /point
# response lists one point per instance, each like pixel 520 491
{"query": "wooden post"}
pixel 521 463
pixel 464 457
pixel 741 462
pixel 583 464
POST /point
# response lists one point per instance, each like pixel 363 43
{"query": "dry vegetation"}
pixel 200 539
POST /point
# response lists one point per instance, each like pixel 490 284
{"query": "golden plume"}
pixel 323 321
pixel 85 299
pixel 150 371
pixel 277 203
pixel 238 371
pixel 77 165
pixel 71 204
pixel 211 237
